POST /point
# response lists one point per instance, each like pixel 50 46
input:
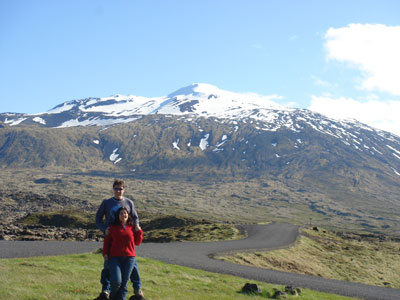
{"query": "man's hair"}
pixel 118 182
pixel 116 217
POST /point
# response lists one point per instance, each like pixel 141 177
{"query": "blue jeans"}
pixel 120 271
pixel 105 277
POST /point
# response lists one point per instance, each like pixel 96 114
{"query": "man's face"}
pixel 118 191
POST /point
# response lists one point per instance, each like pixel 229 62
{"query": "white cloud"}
pixel 374 49
pixel 378 114
pixel 318 81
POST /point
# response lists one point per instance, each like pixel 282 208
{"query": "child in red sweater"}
pixel 119 250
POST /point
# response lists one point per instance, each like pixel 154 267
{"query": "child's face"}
pixel 123 216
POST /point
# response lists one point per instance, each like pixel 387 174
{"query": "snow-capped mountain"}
pixel 209 102
pixel 334 168
pixel 196 100
pixel 200 100
pixel 206 101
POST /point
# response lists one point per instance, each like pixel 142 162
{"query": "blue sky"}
pixel 336 57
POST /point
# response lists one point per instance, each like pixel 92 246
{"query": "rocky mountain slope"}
pixel 341 169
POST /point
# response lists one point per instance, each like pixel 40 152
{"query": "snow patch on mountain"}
pixel 395 171
pixel 61 108
pixel 96 122
pixel 39 120
pixel 204 142
pixel 14 122
pixel 123 106
pixel 114 157
pixel 175 145
pixel 393 149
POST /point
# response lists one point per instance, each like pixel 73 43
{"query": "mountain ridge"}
pixel 192 109
pixel 330 168
pixel 198 100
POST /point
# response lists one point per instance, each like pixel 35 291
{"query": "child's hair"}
pixel 118 222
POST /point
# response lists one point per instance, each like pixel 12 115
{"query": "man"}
pixel 107 210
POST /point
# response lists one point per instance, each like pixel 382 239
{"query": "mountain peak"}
pixel 196 89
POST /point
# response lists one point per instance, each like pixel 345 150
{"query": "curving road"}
pixel 199 255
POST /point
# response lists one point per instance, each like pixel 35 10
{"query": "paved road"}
pixel 17 249
pixel 199 255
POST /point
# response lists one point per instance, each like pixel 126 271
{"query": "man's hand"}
pixel 105 257
pixel 137 227
pixel 107 231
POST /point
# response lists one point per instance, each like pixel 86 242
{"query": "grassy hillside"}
pixel 349 257
pixel 76 277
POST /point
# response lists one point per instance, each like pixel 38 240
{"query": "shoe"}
pixel 137 297
pixel 138 292
pixel 103 296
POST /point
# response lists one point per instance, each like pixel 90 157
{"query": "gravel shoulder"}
pixel 199 255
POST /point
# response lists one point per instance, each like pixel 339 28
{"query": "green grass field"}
pixel 77 277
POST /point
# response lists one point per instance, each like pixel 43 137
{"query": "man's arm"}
pixel 134 216
pixel 132 210
pixel 99 217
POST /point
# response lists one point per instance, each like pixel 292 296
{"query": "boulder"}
pixel 279 294
pixel 251 288
pixel 291 290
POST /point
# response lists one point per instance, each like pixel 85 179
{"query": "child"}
pixel 119 251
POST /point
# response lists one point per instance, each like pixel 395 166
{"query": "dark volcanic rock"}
pixel 19 232
pixel 251 288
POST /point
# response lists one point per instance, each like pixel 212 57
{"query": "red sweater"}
pixel 121 241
